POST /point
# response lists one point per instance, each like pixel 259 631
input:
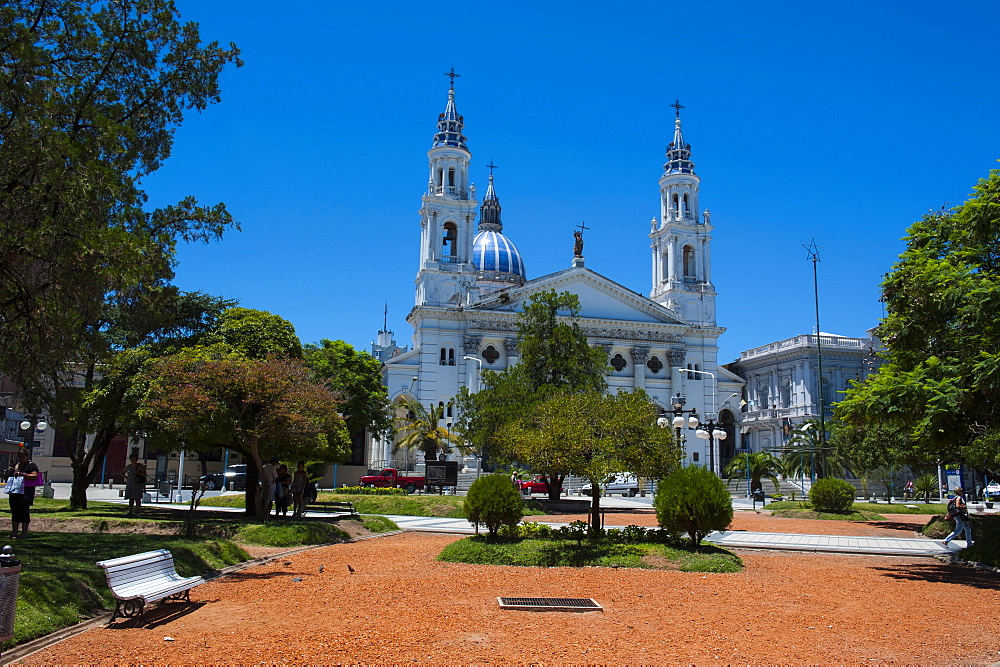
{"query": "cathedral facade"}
pixel 472 283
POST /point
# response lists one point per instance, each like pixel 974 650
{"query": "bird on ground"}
pixel 321 568
pixel 287 563
pixel 296 578
pixel 350 569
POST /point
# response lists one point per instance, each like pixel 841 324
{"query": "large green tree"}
pixel 593 434
pixel 90 96
pixel 555 357
pixel 260 408
pixel 940 384
pixel 356 377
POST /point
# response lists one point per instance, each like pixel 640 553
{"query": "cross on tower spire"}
pixel 491 166
pixel 677 107
pixel 583 226
pixel 452 75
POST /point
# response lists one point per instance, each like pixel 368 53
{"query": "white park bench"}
pixel 142 578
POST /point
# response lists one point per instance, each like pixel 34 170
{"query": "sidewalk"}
pixel 888 546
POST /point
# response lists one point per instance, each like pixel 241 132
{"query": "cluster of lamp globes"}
pixel 41 426
pixel 692 422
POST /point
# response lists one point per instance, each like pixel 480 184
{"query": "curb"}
pixel 22 651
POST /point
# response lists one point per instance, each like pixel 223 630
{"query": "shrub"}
pixel 493 501
pixel 830 494
pixel 695 501
pixel 371 491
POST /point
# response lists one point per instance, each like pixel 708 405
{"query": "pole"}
pixel 813 255
pixel 180 477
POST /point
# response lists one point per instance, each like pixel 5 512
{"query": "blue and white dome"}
pixel 498 261
pixel 497 258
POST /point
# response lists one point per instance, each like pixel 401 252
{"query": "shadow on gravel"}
pixel 898 525
pixel 157 616
pixel 944 574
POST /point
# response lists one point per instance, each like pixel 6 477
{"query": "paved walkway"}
pixel 890 546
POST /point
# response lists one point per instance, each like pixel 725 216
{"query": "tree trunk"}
pixel 595 508
pixel 555 483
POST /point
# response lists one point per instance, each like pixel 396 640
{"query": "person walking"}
pixel 135 484
pixel 959 511
pixel 20 503
pixel 299 480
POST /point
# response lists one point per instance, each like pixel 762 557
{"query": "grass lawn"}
pixel 802 509
pixel 482 550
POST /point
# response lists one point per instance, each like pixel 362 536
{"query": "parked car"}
pixel 992 491
pixel 234 478
pixel 536 484
pixel 625 484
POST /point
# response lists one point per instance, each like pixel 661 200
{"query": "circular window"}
pixel 654 364
pixel 618 362
pixel 491 354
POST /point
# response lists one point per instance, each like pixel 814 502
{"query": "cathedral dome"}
pixel 496 258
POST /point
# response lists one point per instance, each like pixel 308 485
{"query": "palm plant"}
pixel 421 431
pixel 926 484
pixel 760 465
pixel 805 455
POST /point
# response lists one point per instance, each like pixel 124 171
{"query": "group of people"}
pixel 282 489
pixel 23 477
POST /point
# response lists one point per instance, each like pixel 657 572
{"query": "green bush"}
pixel 493 501
pixel 831 494
pixel 695 501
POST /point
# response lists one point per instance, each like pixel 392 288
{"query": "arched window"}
pixel 451 356
pixel 444 356
pixel 786 394
pixel 450 239
pixel 688 262
pixel 440 177
pixel 685 203
pixel 676 205
pixel 451 176
pixel 618 362
pixel 491 354
pixel 449 410
pixel 654 364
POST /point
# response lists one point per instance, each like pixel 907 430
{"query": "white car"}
pixel 624 484
pixel 992 490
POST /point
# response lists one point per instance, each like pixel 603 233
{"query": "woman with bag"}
pixel 959 511
pixel 20 488
pixel 135 484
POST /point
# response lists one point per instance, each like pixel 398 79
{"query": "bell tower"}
pixel 681 238
pixel 447 274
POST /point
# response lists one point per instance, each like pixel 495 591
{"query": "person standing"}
pixel 281 491
pixel 299 480
pixel 959 511
pixel 268 476
pixel 20 503
pixel 135 484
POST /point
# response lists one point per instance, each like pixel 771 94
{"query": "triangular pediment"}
pixel 600 298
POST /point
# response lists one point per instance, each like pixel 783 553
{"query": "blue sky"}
pixel 844 122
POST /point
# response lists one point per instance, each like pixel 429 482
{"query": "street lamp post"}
pixel 30 424
pixel 678 422
pixel 713 434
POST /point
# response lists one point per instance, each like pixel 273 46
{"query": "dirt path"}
pixel 402 606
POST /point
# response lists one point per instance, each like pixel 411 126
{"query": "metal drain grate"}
pixel 550 604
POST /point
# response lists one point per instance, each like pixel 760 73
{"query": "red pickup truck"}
pixel 537 484
pixel 391 478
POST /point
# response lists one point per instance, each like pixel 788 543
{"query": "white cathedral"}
pixel 472 282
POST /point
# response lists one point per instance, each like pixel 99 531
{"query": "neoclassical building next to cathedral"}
pixel 472 282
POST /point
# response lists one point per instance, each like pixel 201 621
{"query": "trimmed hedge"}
pixel 830 494
pixel 494 502
pixel 695 501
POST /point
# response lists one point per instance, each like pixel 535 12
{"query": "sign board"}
pixel 441 473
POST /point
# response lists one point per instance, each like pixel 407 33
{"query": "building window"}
pixel 688 262
pixel 654 364
pixel 618 362
pixel 444 356
pixel 694 456
pixel 491 354
pixel 447 356
pixel 451 356
pixel 451 176
pixel 450 239
pixel 685 203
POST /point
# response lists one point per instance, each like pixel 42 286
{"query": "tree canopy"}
pixel 356 377
pixel 90 96
pixel 940 384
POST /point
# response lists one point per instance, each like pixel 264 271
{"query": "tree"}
pixel 941 380
pixel 555 358
pixel 494 502
pixel 593 435
pixel 258 408
pixel 421 431
pixel 695 501
pixel 356 377
pixel 256 334
pixel 91 95
pixel 756 465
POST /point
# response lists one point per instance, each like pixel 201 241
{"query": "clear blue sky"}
pixel 840 121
